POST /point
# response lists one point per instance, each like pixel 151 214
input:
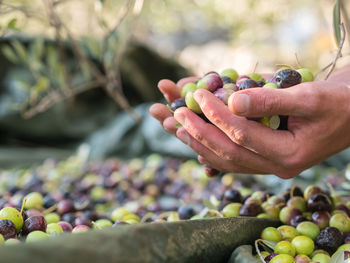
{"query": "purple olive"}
pixel 34 223
pixel 223 94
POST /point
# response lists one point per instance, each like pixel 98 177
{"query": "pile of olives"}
pixel 223 85
pixel 316 225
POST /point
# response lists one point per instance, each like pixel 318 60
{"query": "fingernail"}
pixel 198 97
pixel 241 103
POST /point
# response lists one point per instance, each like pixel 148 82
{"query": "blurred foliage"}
pixel 49 65
pixel 202 34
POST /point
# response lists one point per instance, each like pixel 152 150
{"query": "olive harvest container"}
pixel 208 240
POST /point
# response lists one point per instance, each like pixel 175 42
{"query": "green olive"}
pixel 270 85
pixel 231 73
pixel 231 210
pixel 303 245
pixel 306 74
pixel 285 247
pixel 188 87
pixel 283 258
pixel 191 103
pixel 288 232
pixel 321 258
pixel 271 234
pixel 256 77
pixel 308 229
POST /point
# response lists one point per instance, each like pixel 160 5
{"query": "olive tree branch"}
pixel 114 86
pixel 56 96
pixel 63 58
pixel 75 45
pixel 124 11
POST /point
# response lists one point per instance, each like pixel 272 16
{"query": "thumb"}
pixel 259 102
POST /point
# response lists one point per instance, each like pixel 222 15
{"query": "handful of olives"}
pixel 226 83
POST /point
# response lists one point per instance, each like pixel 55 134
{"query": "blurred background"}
pixel 200 35
pixel 71 69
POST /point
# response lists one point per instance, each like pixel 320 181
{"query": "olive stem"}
pixel 292 191
pixel 146 216
pixel 49 210
pixel 23 204
pixel 256 66
pixel 323 70
pixel 297 59
pixel 215 212
pixel 338 55
pixel 258 250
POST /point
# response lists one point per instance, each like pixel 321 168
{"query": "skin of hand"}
pixel 318 126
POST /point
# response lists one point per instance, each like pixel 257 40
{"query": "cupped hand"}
pixel 318 127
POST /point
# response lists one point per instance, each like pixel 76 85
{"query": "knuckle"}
pixel 239 136
pixel 198 136
pixel 230 155
pixel 214 117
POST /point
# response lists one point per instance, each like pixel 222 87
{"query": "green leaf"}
pixel 12 24
pixel 336 22
pixel 42 84
pixel 10 54
pixel 51 56
pixel 33 96
pixel 37 49
pixel 20 50
pixel 338 257
pixel 266 243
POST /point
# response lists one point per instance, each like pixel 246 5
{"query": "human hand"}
pixel 318 127
pixel 171 92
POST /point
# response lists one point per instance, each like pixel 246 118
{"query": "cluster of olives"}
pixel 316 224
pixel 223 85
pixel 72 196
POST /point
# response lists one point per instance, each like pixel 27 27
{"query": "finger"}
pixel 160 112
pixel 170 125
pixel 184 81
pixel 219 143
pixel 233 168
pixel 211 159
pixel 169 89
pixel 260 102
pixel 271 144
